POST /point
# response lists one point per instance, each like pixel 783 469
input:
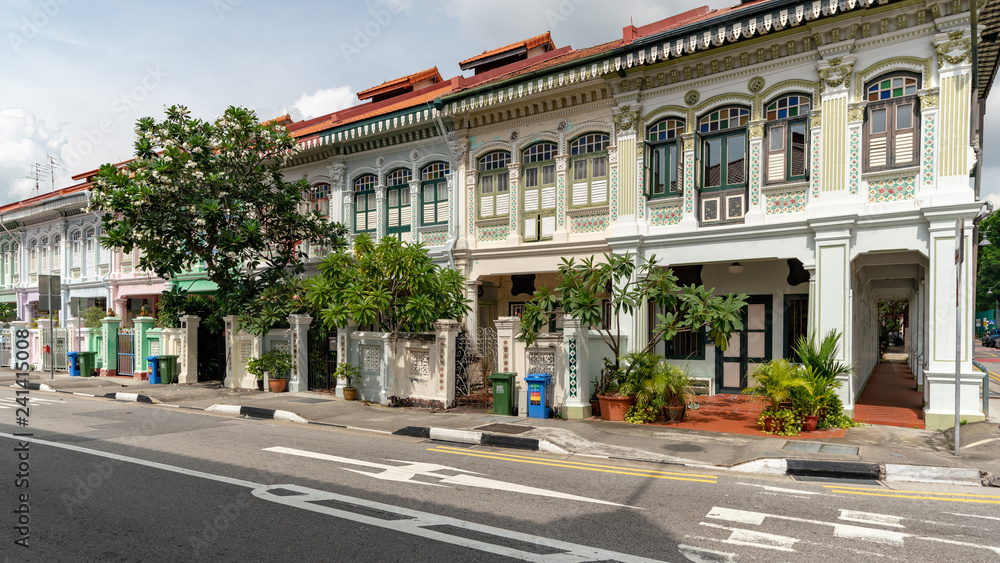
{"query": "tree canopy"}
pixel 211 193
pixel 392 285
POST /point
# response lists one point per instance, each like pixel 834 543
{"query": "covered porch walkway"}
pixel 890 398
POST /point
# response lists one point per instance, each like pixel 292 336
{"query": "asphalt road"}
pixel 130 482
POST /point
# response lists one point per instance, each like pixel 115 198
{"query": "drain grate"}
pixel 505 428
pixel 816 447
pixel 309 400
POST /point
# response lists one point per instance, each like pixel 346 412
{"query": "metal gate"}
pixel 58 350
pixel 126 351
pixel 211 355
pixel 475 360
pixel 322 358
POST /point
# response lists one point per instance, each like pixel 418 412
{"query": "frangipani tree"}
pixel 584 285
pixel 392 285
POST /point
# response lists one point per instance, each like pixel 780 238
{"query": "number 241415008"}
pixel 21 349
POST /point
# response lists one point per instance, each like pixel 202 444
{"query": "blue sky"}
pixel 77 75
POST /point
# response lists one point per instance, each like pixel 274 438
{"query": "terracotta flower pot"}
pixel 613 408
pixel 277 385
pixel 350 393
pixel 809 423
pixel 772 424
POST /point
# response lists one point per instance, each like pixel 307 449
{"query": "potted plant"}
pixel 774 383
pixel 274 364
pixel 348 371
pixel 812 397
pixel 629 386
pixel 674 384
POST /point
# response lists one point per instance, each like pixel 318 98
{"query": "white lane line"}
pixel 794 492
pixel 414 525
pixel 871 518
pixel 704 555
pixel 751 538
pixel 36 400
pixel 886 537
pixel 973 516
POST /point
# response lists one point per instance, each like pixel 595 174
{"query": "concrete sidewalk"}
pixel 891 452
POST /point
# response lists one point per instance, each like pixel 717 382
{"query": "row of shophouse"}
pixel 814 155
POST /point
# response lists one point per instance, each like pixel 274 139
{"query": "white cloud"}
pixel 24 140
pixel 322 102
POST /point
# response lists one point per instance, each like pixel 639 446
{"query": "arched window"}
pixel 494 185
pixel 365 207
pixel 891 121
pixel 57 254
pixel 33 256
pixel 75 253
pixel 398 209
pixel 319 199
pixel 434 193
pixel 663 161
pixel 90 240
pixel 5 264
pixel 43 265
pixel 589 162
pixel 787 138
pixel 539 173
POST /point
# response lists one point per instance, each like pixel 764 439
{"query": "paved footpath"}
pixel 888 453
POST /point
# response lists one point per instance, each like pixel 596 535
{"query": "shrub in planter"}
pixel 641 415
pixel 348 372
pixel 783 422
pixel 774 383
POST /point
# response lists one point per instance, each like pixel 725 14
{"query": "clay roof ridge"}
pixel 528 43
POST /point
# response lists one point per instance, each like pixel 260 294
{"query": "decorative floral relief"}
pixel 420 364
pixel 441 364
pixel 371 357
pixel 786 202
pixel 246 349
pixel 894 189
pixel 541 362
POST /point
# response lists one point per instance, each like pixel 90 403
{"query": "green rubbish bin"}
pixel 87 361
pixel 168 369
pixel 503 393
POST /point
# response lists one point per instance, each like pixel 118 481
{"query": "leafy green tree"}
pixel 988 264
pixel 211 193
pixel 626 286
pixel 6 312
pixel 392 286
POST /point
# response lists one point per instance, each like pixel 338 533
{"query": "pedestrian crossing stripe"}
pixel 12 401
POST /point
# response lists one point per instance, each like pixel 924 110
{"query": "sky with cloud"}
pixel 77 75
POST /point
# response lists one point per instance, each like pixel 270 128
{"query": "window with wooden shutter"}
pixel 398 208
pixel 589 165
pixel 434 193
pixel 785 144
pixel 494 185
pixel 365 204
pixel 663 167
pixel 539 202
pixel 891 122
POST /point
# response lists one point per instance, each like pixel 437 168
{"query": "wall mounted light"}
pixel 735 268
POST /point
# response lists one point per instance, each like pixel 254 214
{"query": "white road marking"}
pixel 973 516
pixel 887 537
pixel 871 518
pixel 413 524
pixel 795 492
pixel 703 555
pixel 739 536
pixel 981 442
pixel 411 469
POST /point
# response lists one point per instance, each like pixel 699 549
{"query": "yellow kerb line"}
pixel 513 457
pixel 633 472
pixel 917 496
pixel 914 492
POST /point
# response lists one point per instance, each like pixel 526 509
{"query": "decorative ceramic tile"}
pixel 441 364
pixel 710 209
pixel 434 238
pixel 665 215
pixel 855 159
pixel 561 199
pixel 929 150
pixel 506 355
pixel 371 357
pixel 573 384
pixel 786 202
pixel 420 364
pixel 495 232
pixel 614 193
pixel 589 222
pixel 815 163
pixel 893 189
pixel 689 182
pixel 755 173
pixel 640 196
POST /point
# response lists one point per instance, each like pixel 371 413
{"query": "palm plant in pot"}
pixel 274 364
pixel 812 396
pixel 774 383
pixel 348 372
pixel 674 384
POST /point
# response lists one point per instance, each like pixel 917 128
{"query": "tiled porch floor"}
pixel 891 398
pixel 737 414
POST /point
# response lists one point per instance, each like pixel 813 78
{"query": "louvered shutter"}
pixel 878 137
pixel 775 153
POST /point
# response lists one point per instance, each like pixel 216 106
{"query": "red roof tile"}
pixel 530 43
pixel 408 80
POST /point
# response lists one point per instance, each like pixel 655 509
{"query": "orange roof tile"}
pixel 42 197
pixel 530 43
pixel 408 80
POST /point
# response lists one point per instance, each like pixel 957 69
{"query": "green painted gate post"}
pixel 109 333
pixel 141 345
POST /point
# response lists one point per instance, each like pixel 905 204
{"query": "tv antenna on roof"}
pixel 39 170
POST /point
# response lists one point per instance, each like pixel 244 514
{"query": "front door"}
pixel 747 348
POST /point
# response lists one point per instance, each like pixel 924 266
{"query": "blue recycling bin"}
pixel 154 368
pixel 74 363
pixel 538 394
